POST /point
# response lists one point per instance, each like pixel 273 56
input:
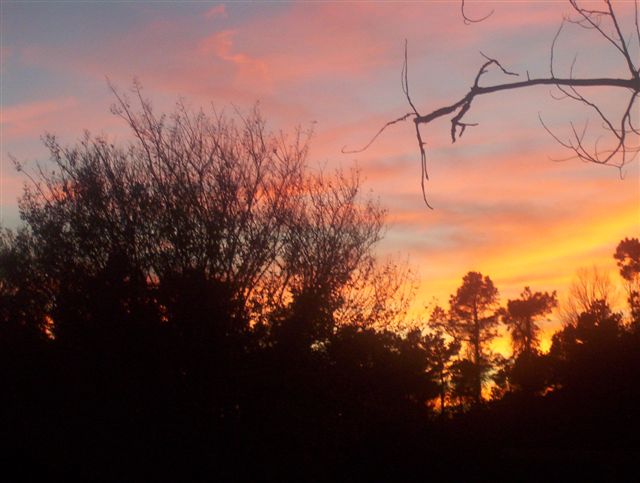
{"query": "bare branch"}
pixel 637 23
pixel 619 152
pixel 424 175
pixel 468 20
pixel 380 131
pixel 494 61
pixel 623 43
pixel 553 47
pixel 405 80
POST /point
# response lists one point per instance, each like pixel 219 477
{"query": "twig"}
pixel 380 131
pixel 468 20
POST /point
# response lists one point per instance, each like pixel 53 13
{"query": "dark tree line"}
pixel 199 295
pixel 592 331
pixel 199 300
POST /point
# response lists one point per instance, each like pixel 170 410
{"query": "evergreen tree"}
pixel 472 321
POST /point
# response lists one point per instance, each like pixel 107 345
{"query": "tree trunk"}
pixel 476 349
pixel 442 391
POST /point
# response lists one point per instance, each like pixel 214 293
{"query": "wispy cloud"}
pixel 30 117
pixel 216 12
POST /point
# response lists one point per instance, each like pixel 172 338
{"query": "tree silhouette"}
pixel 589 286
pixel 466 381
pixel 520 317
pixel 627 256
pixel 24 291
pixel 472 321
pixel 199 294
pixel 442 353
pixel 205 197
pixel 585 354
pixel 327 247
pixel 190 194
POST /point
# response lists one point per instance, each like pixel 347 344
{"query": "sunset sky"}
pixel 502 206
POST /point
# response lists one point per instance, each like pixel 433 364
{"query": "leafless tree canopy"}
pixel 589 286
pixel 206 193
pixel 617 142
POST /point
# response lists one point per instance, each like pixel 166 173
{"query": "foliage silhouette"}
pixel 472 321
pixel 195 297
pixel 627 257
pixel 442 352
pixel 528 371
pixel 520 315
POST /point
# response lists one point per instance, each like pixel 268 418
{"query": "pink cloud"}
pixel 216 11
pixel 267 57
pixel 221 46
pixel 25 118
pixel 302 43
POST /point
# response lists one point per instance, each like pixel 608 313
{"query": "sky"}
pixel 502 205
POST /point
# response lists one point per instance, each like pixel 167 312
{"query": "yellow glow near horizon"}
pixel 552 265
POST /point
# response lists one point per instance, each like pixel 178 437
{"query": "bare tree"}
pixel 377 295
pixel 201 199
pixel 191 193
pixel 330 234
pixel 328 267
pixel 590 285
pixel 619 146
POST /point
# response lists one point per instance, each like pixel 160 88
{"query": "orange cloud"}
pixel 221 46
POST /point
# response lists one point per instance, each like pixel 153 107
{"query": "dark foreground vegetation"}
pixel 199 304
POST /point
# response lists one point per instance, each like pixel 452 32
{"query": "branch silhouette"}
pixel 468 20
pixel 621 152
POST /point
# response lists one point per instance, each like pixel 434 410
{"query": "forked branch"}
pixel 621 130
